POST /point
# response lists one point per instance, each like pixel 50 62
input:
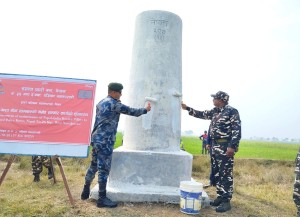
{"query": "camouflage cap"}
pixel 221 95
pixel 115 86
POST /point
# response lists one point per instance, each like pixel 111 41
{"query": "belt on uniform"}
pixel 220 140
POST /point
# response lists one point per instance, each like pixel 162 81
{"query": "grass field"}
pixel 251 149
pixel 247 148
pixel 263 177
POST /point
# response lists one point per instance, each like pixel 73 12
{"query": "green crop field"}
pixel 251 149
pixel 247 148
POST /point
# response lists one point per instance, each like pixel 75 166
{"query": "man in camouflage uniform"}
pixel 103 137
pixel 37 164
pixel 296 193
pixel 225 134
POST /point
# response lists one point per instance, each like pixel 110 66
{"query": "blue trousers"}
pixel 101 162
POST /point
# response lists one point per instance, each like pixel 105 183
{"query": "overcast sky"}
pixel 250 49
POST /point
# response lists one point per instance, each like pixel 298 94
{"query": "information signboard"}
pixel 42 115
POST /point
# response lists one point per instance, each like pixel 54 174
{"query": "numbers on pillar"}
pixel 159 34
pixel 159 29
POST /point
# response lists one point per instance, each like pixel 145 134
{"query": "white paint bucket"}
pixel 190 197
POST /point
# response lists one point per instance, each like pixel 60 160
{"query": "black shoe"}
pixel 85 192
pixel 50 173
pixel 216 202
pixel 224 206
pixel 105 202
pixel 36 178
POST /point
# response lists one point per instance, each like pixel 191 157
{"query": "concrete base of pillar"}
pixel 146 176
pixel 132 193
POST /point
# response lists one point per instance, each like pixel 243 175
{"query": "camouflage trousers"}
pixel 101 162
pixel 38 162
pixel 222 168
pixel 296 193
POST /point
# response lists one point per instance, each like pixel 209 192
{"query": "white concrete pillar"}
pixel 156 77
pixel 150 165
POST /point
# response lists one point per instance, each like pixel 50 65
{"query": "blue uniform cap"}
pixel 221 95
pixel 115 86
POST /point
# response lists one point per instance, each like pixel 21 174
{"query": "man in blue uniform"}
pixel 103 137
pixel 225 135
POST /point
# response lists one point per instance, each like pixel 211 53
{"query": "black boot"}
pixel 50 173
pixel 36 177
pixel 224 206
pixel 103 201
pixel 216 202
pixel 86 191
